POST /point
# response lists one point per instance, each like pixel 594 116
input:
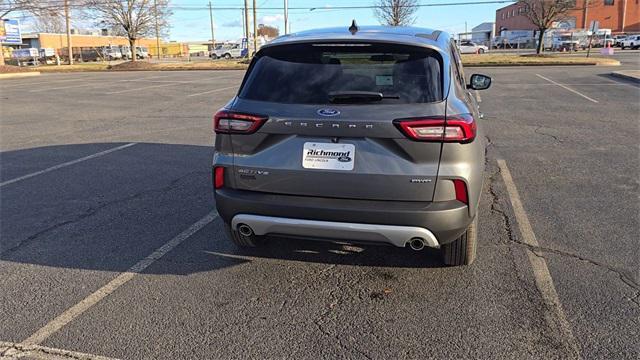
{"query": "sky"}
pixel 190 20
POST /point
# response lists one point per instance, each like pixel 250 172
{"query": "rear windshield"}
pixel 308 73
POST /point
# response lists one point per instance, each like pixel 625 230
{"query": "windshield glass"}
pixel 308 73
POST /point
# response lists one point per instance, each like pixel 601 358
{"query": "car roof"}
pixel 393 34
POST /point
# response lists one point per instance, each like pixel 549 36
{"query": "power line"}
pixel 223 8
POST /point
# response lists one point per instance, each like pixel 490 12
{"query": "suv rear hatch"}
pixel 317 119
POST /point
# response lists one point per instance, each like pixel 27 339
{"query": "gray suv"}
pixel 363 135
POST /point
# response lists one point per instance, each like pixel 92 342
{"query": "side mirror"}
pixel 479 82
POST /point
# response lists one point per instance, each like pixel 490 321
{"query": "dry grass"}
pixel 145 66
pixel 204 65
pixel 523 60
pixel 90 66
pixel 468 60
pixel 9 69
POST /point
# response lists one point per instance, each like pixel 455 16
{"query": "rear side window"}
pixel 308 73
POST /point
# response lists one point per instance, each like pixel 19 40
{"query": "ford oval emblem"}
pixel 328 112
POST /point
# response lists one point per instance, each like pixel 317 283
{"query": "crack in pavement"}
pixel 537 131
pixel 18 351
pixel 537 250
pixel 508 226
pixel 94 210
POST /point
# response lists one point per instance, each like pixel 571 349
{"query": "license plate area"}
pixel 328 156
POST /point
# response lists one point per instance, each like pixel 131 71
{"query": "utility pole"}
pixel 286 17
pixel 213 38
pixel 244 25
pixel 246 22
pixel 155 7
pixel 255 29
pixel 68 21
pixel 466 35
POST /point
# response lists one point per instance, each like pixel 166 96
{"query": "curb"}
pixel 621 75
pixel 19 75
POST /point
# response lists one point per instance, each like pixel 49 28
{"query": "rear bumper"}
pixel 399 236
pixel 446 220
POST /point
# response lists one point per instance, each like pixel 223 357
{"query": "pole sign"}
pixel 10 32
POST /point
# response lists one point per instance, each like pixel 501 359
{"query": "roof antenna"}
pixel 353 29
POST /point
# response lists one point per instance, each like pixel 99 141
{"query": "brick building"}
pixel 617 15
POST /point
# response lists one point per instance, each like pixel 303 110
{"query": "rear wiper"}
pixel 357 96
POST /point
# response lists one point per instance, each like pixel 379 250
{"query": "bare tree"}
pixel 543 13
pixel 132 18
pixel 9 6
pixel 49 22
pixel 396 12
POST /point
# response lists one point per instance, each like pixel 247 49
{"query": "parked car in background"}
pixel 110 52
pixel 631 41
pixel 354 135
pixel 570 40
pixel 125 50
pixel 228 52
pixel 605 41
pixel 618 39
pixel 141 52
pixel 468 47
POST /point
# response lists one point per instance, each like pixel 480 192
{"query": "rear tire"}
pixel 462 251
pixel 242 241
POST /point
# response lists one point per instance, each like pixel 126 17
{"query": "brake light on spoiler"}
pixel 454 128
pixel 229 122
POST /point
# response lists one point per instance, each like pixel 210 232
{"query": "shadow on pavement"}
pixel 108 213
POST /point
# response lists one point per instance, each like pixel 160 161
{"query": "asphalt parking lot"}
pixel 110 246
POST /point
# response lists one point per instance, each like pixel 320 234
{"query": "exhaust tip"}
pixel 245 230
pixel 416 244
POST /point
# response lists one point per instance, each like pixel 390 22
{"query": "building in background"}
pixel 81 42
pixel 58 42
pixel 171 49
pixel 618 15
pixel 483 33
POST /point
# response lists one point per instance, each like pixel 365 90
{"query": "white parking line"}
pixel 59 166
pixel 79 308
pixel 63 87
pixel 137 89
pixel 543 279
pixel 40 83
pixel 540 84
pixel 567 88
pixel 212 91
pixel 10 350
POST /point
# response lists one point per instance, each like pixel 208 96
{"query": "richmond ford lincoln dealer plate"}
pixel 328 156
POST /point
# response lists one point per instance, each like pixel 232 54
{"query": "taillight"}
pixel 226 122
pixel 218 177
pixel 454 128
pixel 461 191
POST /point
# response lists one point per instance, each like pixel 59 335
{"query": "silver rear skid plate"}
pixel 399 236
